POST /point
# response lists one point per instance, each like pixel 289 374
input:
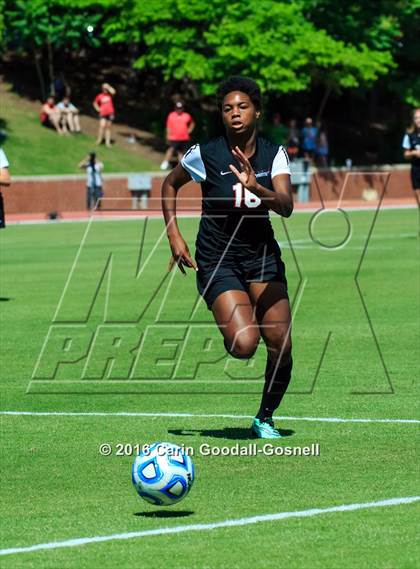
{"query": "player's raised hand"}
pixel 180 255
pixel 247 174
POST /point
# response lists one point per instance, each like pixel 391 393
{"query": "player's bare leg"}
pixel 235 317
pixel 274 318
pixel 417 198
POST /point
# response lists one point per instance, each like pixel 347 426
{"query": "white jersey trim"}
pixel 280 163
pixel 406 142
pixel 193 164
pixel 4 163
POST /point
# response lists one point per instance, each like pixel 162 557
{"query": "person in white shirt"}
pixel 69 115
pixel 94 184
pixel 4 181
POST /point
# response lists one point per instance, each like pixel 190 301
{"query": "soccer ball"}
pixel 162 474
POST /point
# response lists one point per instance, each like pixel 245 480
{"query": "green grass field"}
pixel 65 279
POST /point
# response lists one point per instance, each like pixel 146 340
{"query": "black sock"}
pixel 274 387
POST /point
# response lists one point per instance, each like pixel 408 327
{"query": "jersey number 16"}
pixel 241 193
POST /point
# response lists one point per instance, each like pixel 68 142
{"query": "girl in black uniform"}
pixel 240 273
pixel 411 145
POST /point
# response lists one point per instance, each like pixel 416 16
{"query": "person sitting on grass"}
pixel 69 115
pixel 50 116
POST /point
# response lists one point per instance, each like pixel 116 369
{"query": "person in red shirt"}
pixel 179 126
pixel 50 116
pixel 104 105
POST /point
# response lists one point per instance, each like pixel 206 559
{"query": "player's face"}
pixel 417 119
pixel 239 112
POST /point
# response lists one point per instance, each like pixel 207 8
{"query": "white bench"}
pixel 300 170
pixel 139 185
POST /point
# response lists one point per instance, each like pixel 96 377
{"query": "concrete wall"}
pixel 43 194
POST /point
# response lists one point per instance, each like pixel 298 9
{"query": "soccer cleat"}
pixel 264 428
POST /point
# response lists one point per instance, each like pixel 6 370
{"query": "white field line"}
pixel 158 215
pixel 200 416
pixel 215 525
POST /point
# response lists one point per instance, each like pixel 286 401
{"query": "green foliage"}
pixel 390 26
pixel 286 45
pixel 36 23
pixel 1 23
pixel 274 42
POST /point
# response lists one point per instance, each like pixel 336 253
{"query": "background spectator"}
pixel 277 132
pixel 411 145
pixel 4 181
pixel 104 105
pixel 292 141
pixel 69 114
pixel 50 116
pixel 309 136
pixel 322 150
pixel 179 126
pixel 94 184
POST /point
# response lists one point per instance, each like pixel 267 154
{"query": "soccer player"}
pixel 240 273
pixel 4 181
pixel 179 126
pixel 104 105
pixel 411 145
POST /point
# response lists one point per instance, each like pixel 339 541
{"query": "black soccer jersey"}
pixel 234 223
pixel 411 141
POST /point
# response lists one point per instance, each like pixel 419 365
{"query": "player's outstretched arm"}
pixel 180 252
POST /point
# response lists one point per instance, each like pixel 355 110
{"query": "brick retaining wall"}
pixel 43 194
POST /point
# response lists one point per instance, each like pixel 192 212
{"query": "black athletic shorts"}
pixel 180 145
pixel 237 274
pixel 107 117
pixel 415 177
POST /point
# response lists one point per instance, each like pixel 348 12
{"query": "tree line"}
pixel 287 46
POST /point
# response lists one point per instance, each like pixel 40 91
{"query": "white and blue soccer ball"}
pixel 162 474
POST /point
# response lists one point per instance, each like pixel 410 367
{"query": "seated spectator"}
pixel 69 115
pixel 50 116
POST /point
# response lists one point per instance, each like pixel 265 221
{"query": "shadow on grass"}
pixel 165 514
pixel 234 433
pixel 5 298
